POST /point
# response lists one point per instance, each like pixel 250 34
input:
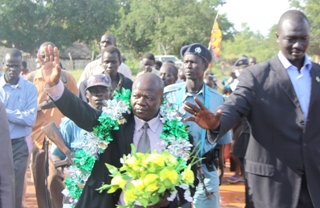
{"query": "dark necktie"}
pixel 144 142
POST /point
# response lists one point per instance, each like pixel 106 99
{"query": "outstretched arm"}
pixel 69 104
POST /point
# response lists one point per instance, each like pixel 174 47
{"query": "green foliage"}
pixel 134 66
pixel 25 24
pixel 263 48
pixel 164 26
pixel 311 8
pixel 159 26
pixel 250 43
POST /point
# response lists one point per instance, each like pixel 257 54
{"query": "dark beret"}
pixel 242 61
pixel 197 49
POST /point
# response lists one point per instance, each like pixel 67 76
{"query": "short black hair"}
pixel 292 14
pixel 111 49
pixel 159 64
pixel 40 51
pixel 253 58
pixel 113 37
pixel 169 61
pixel 24 64
pixel 12 52
pixel 149 56
pixel 172 67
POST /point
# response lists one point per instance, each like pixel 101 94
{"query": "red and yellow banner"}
pixel 215 41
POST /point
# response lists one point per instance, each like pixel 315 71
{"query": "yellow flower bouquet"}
pixel 144 178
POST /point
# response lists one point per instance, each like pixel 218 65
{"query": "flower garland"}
pixel 174 135
pixel 92 144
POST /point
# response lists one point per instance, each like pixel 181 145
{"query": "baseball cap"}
pixel 98 80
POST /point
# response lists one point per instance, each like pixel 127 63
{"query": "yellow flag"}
pixel 215 41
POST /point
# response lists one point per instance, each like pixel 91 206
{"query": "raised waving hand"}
pixel 50 68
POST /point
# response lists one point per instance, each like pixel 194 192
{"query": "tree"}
pixel 164 25
pixel 249 43
pixel 25 24
pixel 312 10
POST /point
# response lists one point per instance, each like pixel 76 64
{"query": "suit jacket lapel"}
pixel 126 135
pixel 315 83
pixel 284 81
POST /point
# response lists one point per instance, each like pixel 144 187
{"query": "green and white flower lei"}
pixel 174 134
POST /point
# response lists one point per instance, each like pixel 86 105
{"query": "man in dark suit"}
pixel 281 99
pixel 146 98
pixel 7 190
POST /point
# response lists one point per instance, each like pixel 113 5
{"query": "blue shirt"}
pixel 70 133
pixel 300 80
pixel 21 106
pixel 177 94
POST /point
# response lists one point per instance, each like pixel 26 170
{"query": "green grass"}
pixel 134 65
pixel 76 73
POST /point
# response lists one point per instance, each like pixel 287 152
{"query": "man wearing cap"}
pixel 196 59
pixel 98 89
pixel 240 63
pixel 95 67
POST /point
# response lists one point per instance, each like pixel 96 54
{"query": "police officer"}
pixel 196 59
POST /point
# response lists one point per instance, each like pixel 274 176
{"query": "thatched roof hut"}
pixel 2 51
pixel 78 51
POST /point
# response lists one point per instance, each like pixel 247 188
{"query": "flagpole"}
pixel 215 19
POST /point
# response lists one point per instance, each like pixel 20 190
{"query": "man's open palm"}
pixel 50 65
pixel 202 116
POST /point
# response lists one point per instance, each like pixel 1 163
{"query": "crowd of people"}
pixel 267 111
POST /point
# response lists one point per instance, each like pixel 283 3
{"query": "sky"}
pixel 260 15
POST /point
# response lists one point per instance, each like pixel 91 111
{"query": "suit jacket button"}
pixel 304 144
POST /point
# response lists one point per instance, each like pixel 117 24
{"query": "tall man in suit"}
pixel 281 99
pixel 146 98
pixel 7 188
